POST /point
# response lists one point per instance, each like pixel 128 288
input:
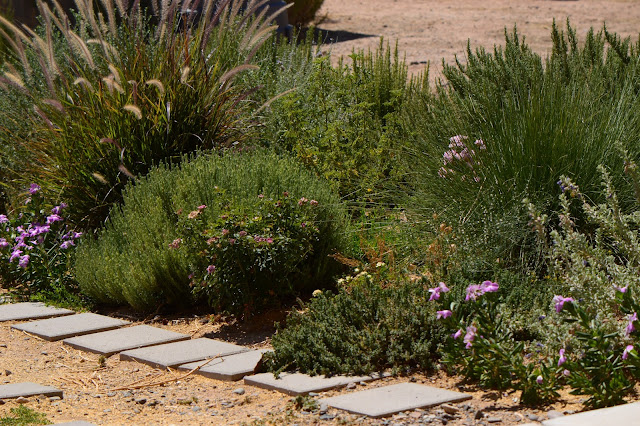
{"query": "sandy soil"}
pixel 104 392
pixel 428 31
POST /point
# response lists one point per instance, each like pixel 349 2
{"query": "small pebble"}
pixel 22 400
pixel 314 394
pixel 494 419
pixel 239 391
pixel 140 400
pixel 554 414
pixel 351 385
pixel 450 409
pixel 126 394
pixel 323 408
pixel 532 417
pixel 327 417
pixel 136 410
pixel 7 372
pixel 2 402
pixel 54 398
pixel 3 345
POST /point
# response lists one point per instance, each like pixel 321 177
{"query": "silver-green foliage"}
pixel 131 261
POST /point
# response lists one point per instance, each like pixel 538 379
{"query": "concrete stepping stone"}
pixel 301 384
pixel 229 368
pixel 110 342
pixel 30 310
pixel 388 400
pixel 71 325
pixel 627 414
pixel 26 389
pixel 174 354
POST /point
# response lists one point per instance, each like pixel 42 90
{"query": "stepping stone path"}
pixel 114 341
pixel 388 400
pixel 301 384
pixel 16 390
pixel 29 310
pixel 162 348
pixel 71 325
pixel 228 368
pixel 627 414
pixel 174 354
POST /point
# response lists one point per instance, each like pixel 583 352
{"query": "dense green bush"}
pixel 147 251
pixel 366 327
pixel 340 121
pixel 115 94
pixel 506 125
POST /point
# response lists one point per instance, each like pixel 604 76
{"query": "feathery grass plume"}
pixel 105 69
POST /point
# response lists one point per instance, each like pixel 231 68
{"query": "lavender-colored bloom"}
pixel 4 243
pixel 175 243
pixel 560 301
pixel 58 209
pixel 562 358
pixel 621 289
pixel 435 292
pixel 76 235
pixel 470 336
pixel 313 202
pixel 34 188
pixel 66 244
pixel 447 157
pixel 539 380
pixel 24 261
pixel 457 334
pixel 480 143
pixel 202 207
pixel 630 328
pixel 53 219
pixel 473 292
pixel 625 353
pixel 443 314
pixel 16 253
pixel 489 287
pixel 566 373
pixel 4 218
pixel 210 269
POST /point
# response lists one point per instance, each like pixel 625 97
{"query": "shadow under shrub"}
pixel 364 328
pixel 180 220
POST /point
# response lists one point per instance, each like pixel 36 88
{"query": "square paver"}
pixel 388 400
pixel 174 354
pixel 627 414
pixel 15 390
pixel 302 384
pixel 30 310
pixel 70 325
pixel 122 339
pixel 231 368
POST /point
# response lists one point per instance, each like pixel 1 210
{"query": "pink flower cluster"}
pixel 460 153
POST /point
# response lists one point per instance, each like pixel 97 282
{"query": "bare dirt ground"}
pixel 426 31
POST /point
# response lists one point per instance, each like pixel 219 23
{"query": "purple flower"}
pixel 539 380
pixel 210 269
pixel 313 202
pixel 34 188
pixel 202 207
pixel 630 328
pixel 566 373
pixel 66 244
pixel 261 196
pixel 473 292
pixel 58 209
pixel 560 301
pixel 469 336
pixel 232 241
pixel 489 287
pixel 242 233
pixel 435 292
pixel 621 289
pixel 562 358
pixel 53 219
pixel 269 240
pixel 443 314
pixel 4 243
pixel 24 261
pixel 627 350
pixel 457 334
pixel 175 243
pixel 302 201
pixel 4 218
pixel 15 254
pixel 76 235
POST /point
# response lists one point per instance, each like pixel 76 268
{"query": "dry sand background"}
pixel 430 30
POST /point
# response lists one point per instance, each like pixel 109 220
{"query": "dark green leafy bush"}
pixel 145 255
pixel 364 328
pixel 115 94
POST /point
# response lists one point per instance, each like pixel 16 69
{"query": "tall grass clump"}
pixel 117 92
pixel 340 121
pixel 506 125
pixel 239 231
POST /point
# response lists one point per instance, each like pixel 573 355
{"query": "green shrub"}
pixel 506 125
pixel 303 12
pixel 364 328
pixel 340 121
pixel 115 95
pixel 147 251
